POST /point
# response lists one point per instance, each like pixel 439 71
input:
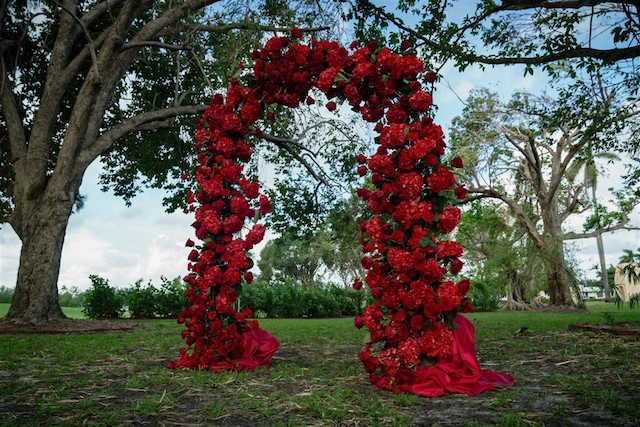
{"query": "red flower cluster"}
pixel 222 203
pixel 405 256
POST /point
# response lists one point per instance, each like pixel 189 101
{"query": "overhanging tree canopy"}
pixel 112 78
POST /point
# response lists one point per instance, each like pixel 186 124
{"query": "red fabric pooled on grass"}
pixel 459 374
pixel 259 346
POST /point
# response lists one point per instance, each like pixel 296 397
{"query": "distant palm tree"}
pixel 590 180
pixel 630 256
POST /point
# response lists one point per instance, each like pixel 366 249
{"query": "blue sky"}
pixel 124 244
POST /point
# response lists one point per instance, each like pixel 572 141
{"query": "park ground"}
pixel 563 377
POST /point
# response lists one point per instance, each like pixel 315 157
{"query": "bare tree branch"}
pixel 13 120
pixel 284 143
pixel 92 48
pixel 225 28
pixel 135 45
pixel 525 221
pixel 595 233
pixel 577 4
pixel 98 9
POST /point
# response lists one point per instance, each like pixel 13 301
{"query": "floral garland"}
pixel 406 258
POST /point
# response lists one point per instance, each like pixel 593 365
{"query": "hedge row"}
pixel 281 297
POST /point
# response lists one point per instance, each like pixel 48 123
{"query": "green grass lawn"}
pixel 120 378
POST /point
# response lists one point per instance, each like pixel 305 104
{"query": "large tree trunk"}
pixel 555 267
pixel 553 259
pixel 42 232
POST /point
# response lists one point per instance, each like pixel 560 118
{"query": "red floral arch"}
pixel 418 343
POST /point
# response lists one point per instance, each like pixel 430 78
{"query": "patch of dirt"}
pixel 562 309
pixel 622 328
pixel 66 326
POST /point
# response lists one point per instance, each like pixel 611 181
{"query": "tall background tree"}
pixel 512 155
pixel 116 80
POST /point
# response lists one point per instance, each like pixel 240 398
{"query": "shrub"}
pixel 102 301
pixel 142 300
pixel 481 297
pixel 171 299
pixel 281 297
pixel 71 297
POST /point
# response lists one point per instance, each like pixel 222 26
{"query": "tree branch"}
pixel 13 120
pixel 483 193
pixel 98 9
pixel 135 123
pixel 574 236
pixel 576 4
pixel 92 48
pixel 581 52
pixel 225 28
pixel 284 144
pixel 135 45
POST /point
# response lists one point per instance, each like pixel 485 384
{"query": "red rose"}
pixel 463 286
pixel 393 136
pixel 296 33
pixel 431 76
pixel 446 249
pixel 457 162
pixel 421 101
pixel 448 219
pixel 460 192
pixel 331 106
pixel 441 180
pixel 455 266
pixel 399 259
pixel 248 277
pixel 265 204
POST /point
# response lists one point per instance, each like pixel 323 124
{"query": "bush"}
pixel 71 297
pixel 102 301
pixel 171 299
pixel 142 300
pixel 281 297
pixel 481 297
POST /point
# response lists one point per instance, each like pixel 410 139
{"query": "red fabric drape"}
pixel 258 348
pixel 459 374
